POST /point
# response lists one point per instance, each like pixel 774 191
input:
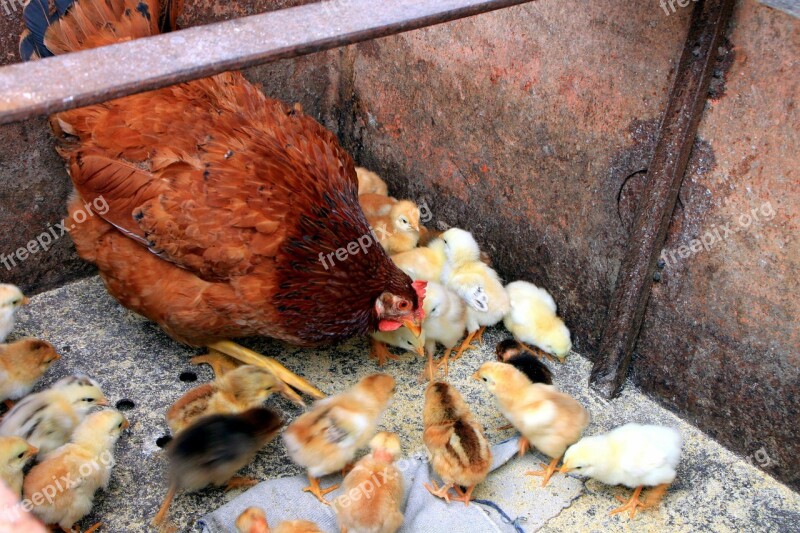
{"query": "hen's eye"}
pixel 404 305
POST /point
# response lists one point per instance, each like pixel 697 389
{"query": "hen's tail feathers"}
pixel 59 26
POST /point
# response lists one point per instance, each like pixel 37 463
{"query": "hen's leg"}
pixel 546 472
pixel 631 505
pixel 379 351
pixel 439 492
pixel 219 362
pixel 249 357
pixel 316 490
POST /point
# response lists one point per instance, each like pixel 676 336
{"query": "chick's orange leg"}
pixel 238 482
pixel 319 492
pixel 379 351
pixel 537 352
pixel 94 528
pixel 524 446
pixel 463 496
pixel 444 361
pixel 479 335
pixel 654 495
pixel 546 472
pixel 219 362
pixel 249 357
pixel 632 504
pixel 159 521
pixel 439 492
pixel 466 345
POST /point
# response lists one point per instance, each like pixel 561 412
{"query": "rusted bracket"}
pixel 92 76
pixel 678 130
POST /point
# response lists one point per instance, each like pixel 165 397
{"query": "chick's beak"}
pixel 414 325
pixel 564 468
pixel 420 351
pixel 477 376
pixel 126 424
pixel 103 402
pixel 32 450
pixel 25 301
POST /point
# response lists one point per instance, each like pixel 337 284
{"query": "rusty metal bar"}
pixel 678 129
pixel 92 76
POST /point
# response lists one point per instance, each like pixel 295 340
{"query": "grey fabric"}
pixel 283 499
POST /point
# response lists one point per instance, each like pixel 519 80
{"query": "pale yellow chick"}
pixel 445 322
pixel 457 446
pixel 370 183
pixel 253 520
pixel 424 263
pixel 532 319
pixel 397 231
pixel 377 510
pixel 236 391
pixel 475 282
pixel 86 461
pixel 11 299
pixel 47 419
pixel 633 455
pixel 14 455
pixel 548 420
pixel 22 363
pixel 402 338
pixel 327 437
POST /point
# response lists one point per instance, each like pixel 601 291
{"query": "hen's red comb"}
pixel 419 287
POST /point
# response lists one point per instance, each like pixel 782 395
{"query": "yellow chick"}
pixel 425 263
pixel 375 476
pixel 327 437
pixel 533 320
pixel 547 419
pixel 397 231
pixel 475 282
pixel 253 520
pixel 14 455
pixel 236 391
pixel 376 205
pixel 86 462
pixel 445 322
pixel 48 418
pixel 402 338
pixel 11 299
pixel 22 363
pixel 457 447
pixel 370 183
pixel 633 455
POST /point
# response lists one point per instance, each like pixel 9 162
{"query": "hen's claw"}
pixel 219 362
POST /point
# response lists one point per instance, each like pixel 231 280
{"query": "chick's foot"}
pixel 632 504
pixel 466 345
pixel 463 496
pixel 439 492
pixel 238 482
pixel 379 351
pixel 546 472
pixel 317 491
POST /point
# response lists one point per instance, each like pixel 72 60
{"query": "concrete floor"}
pixel 715 490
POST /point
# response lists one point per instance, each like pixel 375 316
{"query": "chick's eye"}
pixel 119 425
pixel 484 379
pixel 404 221
pixel 20 456
pixel 88 400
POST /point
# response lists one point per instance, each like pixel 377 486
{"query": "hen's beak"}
pixel 414 325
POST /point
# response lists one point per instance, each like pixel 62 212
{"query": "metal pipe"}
pixel 92 76
pixel 678 130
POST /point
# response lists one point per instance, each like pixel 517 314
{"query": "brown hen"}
pixel 225 208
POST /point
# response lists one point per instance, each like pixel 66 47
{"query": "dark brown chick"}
pixel 213 449
pixel 457 447
pixel 510 351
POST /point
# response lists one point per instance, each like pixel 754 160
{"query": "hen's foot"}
pixel 219 362
pixel 631 505
pixel 439 492
pixel 546 472
pixel 463 496
pixel 249 357
pixel 317 491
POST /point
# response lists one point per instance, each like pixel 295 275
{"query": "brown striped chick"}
pixel 14 455
pixel 253 520
pixel 457 447
pixel 370 183
pixel 11 299
pixel 379 510
pixel 22 363
pixel 47 419
pixel 234 392
pixel 548 420
pixel 327 437
pixel 86 461
pixel 376 205
pixel 397 231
